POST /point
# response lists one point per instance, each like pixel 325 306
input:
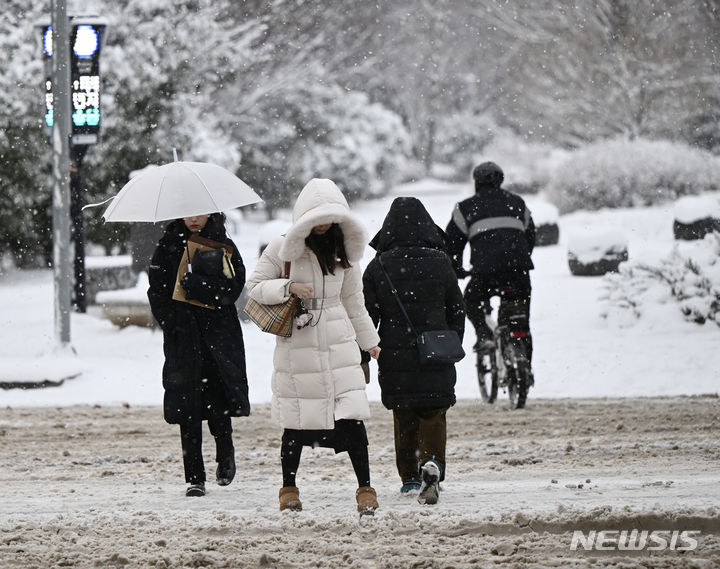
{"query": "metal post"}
pixel 77 201
pixel 61 168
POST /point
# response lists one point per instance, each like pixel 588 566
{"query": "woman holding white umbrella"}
pixel 204 373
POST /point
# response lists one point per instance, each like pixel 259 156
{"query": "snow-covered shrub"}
pixel 628 173
pixel 597 253
pixel 690 276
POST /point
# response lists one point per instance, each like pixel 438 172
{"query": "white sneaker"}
pixel 430 481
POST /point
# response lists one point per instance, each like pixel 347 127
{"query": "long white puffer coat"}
pixel 316 372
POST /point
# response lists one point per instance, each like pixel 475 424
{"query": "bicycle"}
pixel 505 365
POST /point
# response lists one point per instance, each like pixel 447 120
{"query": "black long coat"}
pixel 410 245
pixel 204 372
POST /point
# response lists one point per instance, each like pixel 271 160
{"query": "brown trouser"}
pixel 420 435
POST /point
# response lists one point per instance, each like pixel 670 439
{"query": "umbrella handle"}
pixel 96 204
pixel 187 250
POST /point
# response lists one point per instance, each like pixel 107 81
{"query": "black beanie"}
pixel 488 175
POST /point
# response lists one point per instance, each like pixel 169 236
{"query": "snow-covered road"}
pixel 102 486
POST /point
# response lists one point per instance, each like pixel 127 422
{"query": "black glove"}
pixel 364 357
pixel 210 290
pixel 192 283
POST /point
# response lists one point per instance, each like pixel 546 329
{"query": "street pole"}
pixel 61 169
pixel 77 201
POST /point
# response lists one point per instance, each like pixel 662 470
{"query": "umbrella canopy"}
pixel 179 189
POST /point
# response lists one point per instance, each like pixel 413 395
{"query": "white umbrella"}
pixel 179 189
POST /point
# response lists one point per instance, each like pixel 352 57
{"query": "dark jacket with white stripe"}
pixel 497 224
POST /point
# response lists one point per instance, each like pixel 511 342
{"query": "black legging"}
pixel 356 447
pixel 191 437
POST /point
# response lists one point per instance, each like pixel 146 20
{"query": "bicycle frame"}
pixel 502 358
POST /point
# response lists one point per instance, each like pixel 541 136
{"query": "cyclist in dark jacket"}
pixel 500 230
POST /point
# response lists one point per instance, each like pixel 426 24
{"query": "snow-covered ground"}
pixel 102 486
pixel 92 475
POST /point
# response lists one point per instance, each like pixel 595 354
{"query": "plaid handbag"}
pixel 274 318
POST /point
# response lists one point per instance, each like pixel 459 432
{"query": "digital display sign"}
pixel 85 40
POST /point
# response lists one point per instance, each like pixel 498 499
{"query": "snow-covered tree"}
pixel 163 65
pixel 583 71
pixel 317 130
pixel 431 62
pixel 25 196
pixel 197 75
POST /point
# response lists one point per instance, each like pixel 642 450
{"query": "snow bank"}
pixel 693 208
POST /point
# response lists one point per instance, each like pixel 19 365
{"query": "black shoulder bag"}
pixel 435 347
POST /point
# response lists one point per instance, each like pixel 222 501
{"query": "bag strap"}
pixel 397 297
pixel 227 263
pixel 286 270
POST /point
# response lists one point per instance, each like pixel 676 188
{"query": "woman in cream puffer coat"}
pixel 318 385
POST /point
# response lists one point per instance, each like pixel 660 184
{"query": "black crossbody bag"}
pixel 435 347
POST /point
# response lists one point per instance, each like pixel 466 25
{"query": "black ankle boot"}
pixel 195 490
pixel 225 470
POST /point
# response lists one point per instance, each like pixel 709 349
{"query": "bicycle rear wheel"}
pixel 518 370
pixel 487 371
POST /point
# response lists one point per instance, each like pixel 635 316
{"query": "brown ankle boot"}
pixel 366 500
pixel 290 499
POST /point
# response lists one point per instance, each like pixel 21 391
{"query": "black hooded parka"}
pixel 411 248
pixel 204 372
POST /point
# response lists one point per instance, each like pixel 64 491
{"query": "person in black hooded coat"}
pixel 410 246
pixel 204 373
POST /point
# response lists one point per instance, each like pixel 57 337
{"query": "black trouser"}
pixel 348 435
pixel 514 291
pixel 420 435
pixel 191 437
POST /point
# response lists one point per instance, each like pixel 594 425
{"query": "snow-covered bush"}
pixel 690 276
pixel 629 173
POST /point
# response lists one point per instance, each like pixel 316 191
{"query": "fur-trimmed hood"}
pixel 321 202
